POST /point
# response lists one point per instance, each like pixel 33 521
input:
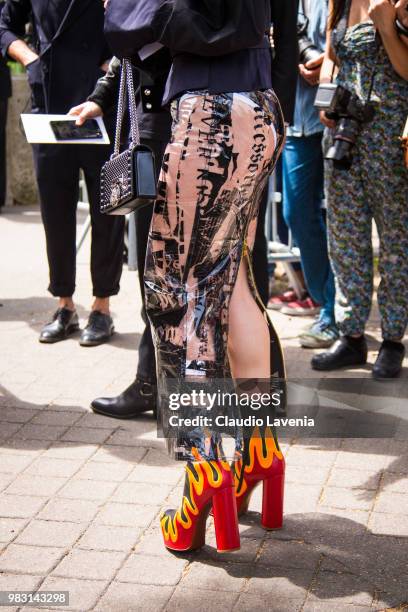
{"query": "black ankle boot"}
pixel 389 360
pixel 139 397
pixel 347 351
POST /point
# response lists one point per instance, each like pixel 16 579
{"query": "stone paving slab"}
pixel 80 494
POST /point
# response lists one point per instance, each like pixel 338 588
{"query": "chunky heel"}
pixel 272 502
pixel 263 462
pixel 207 483
pixel 226 520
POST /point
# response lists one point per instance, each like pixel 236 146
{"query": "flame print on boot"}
pixel 262 462
pixel 207 483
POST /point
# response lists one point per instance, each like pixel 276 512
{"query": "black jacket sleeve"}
pixel 5 80
pixel 14 17
pixel 285 63
pixel 106 89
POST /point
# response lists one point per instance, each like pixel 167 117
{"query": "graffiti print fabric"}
pixel 222 151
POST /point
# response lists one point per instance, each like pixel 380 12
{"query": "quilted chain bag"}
pixel 128 179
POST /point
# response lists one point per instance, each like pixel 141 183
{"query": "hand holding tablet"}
pixel 62 129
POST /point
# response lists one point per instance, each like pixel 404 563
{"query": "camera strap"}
pixel 304 24
pixel 375 69
pixel 341 29
pixel 342 26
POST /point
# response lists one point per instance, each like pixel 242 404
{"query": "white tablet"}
pixel 61 129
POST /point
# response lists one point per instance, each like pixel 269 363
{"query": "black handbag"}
pixel 128 179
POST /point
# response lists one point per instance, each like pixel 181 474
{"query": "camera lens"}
pixel 347 130
pixel 307 50
pixel 341 152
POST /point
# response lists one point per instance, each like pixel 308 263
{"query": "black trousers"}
pixel 260 252
pixel 3 161
pixel 146 369
pixel 57 169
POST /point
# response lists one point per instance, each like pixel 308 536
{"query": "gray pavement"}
pixel 80 495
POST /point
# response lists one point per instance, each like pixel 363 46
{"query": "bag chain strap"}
pixel 126 92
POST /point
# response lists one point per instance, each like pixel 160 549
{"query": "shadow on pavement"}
pixel 32 311
pixel 37 311
pixel 332 557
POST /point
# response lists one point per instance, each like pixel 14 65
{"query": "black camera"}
pixel 307 49
pixel 350 113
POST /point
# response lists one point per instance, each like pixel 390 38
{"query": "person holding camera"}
pixel 302 165
pixel 366 177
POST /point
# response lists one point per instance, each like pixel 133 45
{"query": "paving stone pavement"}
pixel 80 494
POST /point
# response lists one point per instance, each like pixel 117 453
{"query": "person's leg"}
pixel 393 268
pixel 146 369
pixel 107 230
pixel 107 246
pixel 140 396
pixel 281 299
pixel 349 215
pixel 302 200
pixel 389 187
pixel 220 150
pixel 391 217
pixel 195 246
pixel 260 252
pixel 3 161
pixel 350 245
pixel 248 341
pixel 57 174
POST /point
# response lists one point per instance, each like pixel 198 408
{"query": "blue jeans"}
pixel 302 164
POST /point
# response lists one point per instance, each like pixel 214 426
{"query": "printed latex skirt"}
pixel 223 149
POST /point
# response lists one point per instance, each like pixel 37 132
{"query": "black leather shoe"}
pixel 389 360
pixel 64 323
pixel 139 397
pixel 98 330
pixel 345 352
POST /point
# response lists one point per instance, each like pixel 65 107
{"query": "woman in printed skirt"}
pixel 207 319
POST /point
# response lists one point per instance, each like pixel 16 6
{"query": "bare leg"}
pixel 66 302
pixel 101 304
pixel 249 340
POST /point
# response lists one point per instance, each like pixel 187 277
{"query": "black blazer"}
pixel 241 71
pixel 70 59
pixel 5 80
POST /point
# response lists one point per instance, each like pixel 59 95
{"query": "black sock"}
pixel 355 342
pixel 394 346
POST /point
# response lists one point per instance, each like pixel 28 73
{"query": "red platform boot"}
pixel 262 462
pixel 208 483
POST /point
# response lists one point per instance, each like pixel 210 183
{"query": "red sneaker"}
pixel 301 308
pixel 276 303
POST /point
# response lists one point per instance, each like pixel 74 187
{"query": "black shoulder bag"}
pixel 128 179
